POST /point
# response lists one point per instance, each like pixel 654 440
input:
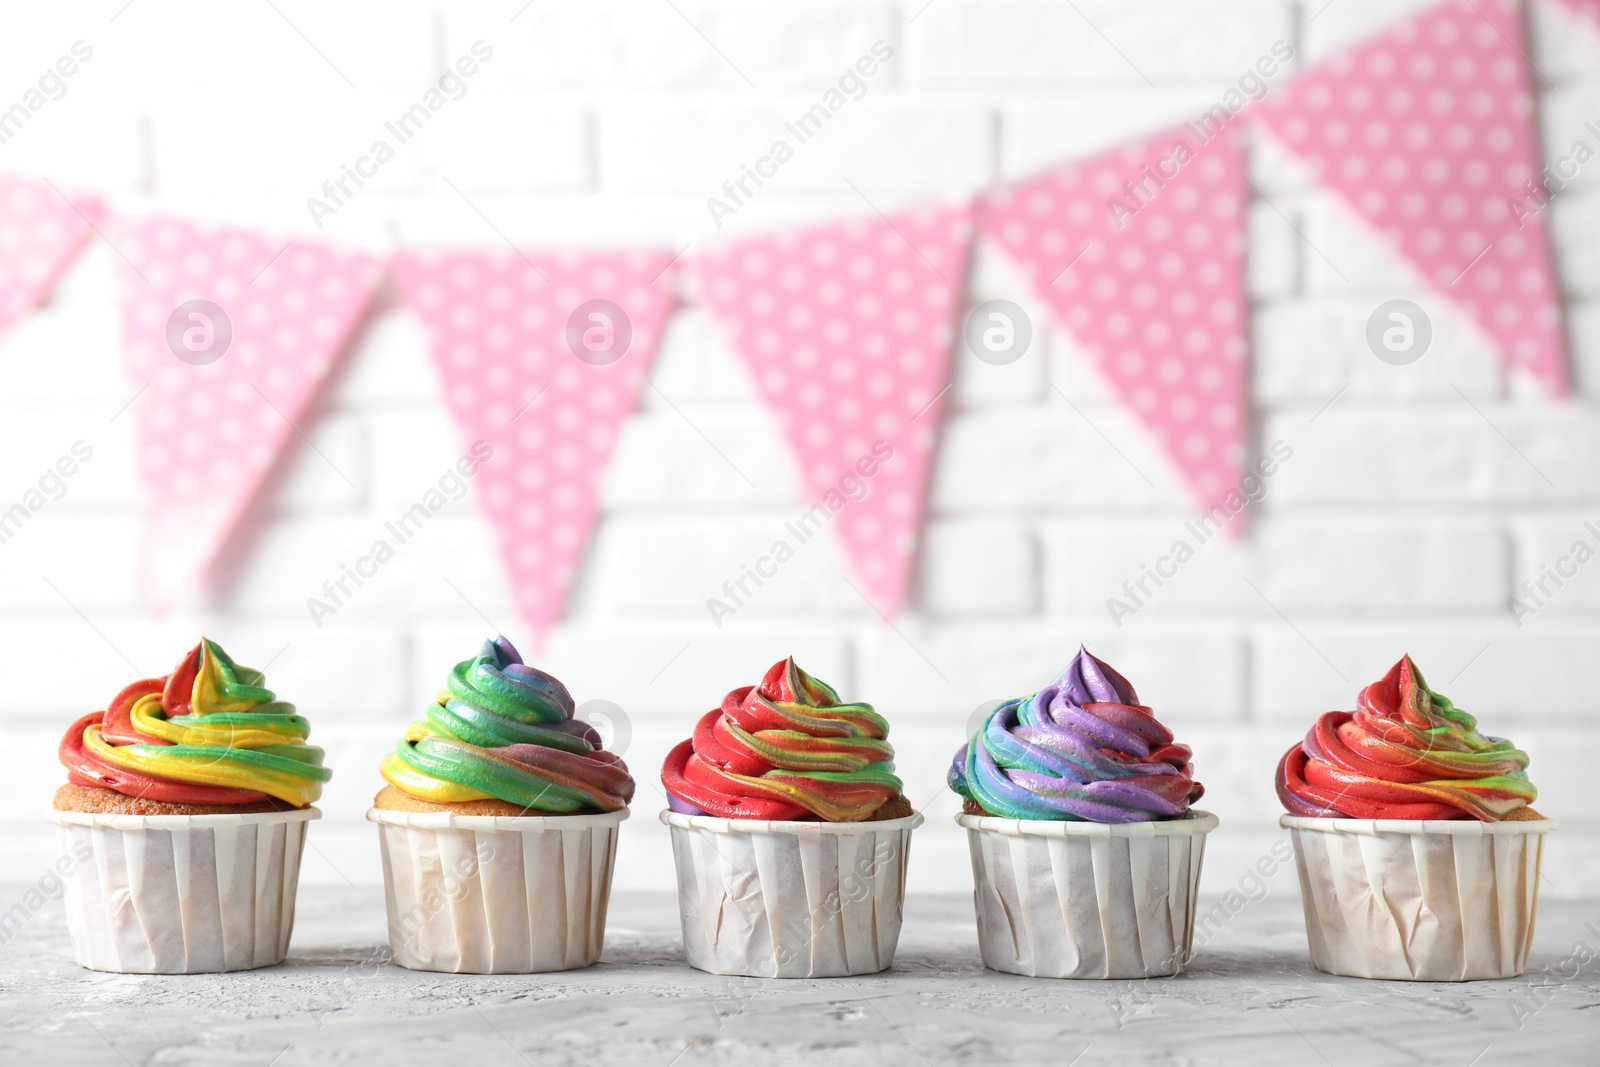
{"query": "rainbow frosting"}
pixel 208 733
pixel 1406 752
pixel 502 730
pixel 788 749
pixel 1081 749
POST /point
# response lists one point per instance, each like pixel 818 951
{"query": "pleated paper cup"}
pixel 1086 900
pixel 181 894
pixel 790 899
pixel 488 894
pixel 1419 900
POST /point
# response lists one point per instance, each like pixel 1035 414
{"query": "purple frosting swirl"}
pixel 1082 748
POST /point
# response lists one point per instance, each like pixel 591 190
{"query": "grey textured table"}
pixel 1251 996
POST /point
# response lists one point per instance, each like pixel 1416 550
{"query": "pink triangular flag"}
pixel 541 356
pixel 1138 252
pixel 227 334
pixel 41 230
pixel 1427 131
pixel 847 329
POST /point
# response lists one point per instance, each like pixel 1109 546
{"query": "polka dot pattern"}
pixel 497 326
pixel 847 329
pixel 207 435
pixel 40 233
pixel 1427 130
pixel 1150 282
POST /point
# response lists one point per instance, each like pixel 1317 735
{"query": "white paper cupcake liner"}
pixel 1430 901
pixel 181 894
pixel 1086 900
pixel 485 894
pixel 790 899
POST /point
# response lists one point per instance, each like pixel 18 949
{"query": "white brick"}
pixel 374 42
pixel 44 566
pixel 1244 859
pixel 264 146
pixel 84 142
pixel 1564 43
pixel 1278 174
pixel 323 470
pixel 1377 564
pixel 87 132
pixel 631 560
pixel 1346 23
pixel 879 144
pixel 63 352
pixel 993 276
pixel 1027 42
pixel 35 439
pixel 289 560
pixel 1546 670
pixel 1571 867
pixel 1565 115
pixel 637 44
pixel 503 138
pixel 1583 346
pixel 28 787
pixel 1556 767
pixel 1433 455
pixel 1049 460
pixel 1343 252
pixel 350 675
pixel 663 460
pixel 1181 672
pixel 1041 132
pixel 412 449
pixel 388 362
pixel 977 567
pixel 111 649
pixel 1310 350
pixel 175 45
pixel 1075 374
pixel 695 365
pixel 1574 221
pixel 1273 257
pixel 1545 548
pixel 1297 564
pixel 1087 564
pixel 1235 763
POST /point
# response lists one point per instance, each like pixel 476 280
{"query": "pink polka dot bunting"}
pixel 1427 131
pixel 1139 253
pixel 40 233
pixel 541 356
pixel 847 329
pixel 227 333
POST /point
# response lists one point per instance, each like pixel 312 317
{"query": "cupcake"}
pixel 498 825
pixel 183 819
pixel 1417 849
pixel 790 833
pixel 1085 850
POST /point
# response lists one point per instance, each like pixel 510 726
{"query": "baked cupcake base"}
pixel 110 802
pixel 1419 900
pixel 476 892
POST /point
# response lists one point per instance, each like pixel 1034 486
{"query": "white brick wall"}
pixel 1403 522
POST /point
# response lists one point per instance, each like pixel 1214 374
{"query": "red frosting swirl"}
pixel 1405 753
pixel 786 749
